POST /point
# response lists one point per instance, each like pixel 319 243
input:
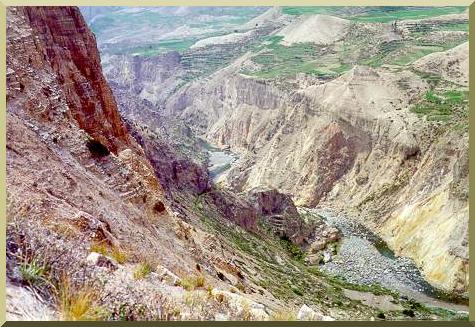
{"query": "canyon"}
pixel 184 175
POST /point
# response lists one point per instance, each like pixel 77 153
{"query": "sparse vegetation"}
pixel 142 270
pixel 78 303
pixel 277 60
pixel 293 249
pixel 381 14
pixel 189 283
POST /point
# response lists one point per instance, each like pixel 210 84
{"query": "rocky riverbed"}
pixel 364 258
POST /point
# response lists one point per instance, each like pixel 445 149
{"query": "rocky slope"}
pixel 319 29
pixel 107 220
pixel 66 200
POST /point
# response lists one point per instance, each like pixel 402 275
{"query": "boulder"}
pixel 166 275
pixel 307 313
pixel 279 211
pixel 101 260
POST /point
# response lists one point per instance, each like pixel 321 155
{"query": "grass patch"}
pixel 381 14
pixel 412 306
pixel 293 249
pixel 99 247
pixel 78 303
pixel 114 252
pixel 189 283
pixel 143 270
pixel 119 255
pixel 311 10
pixel 33 272
pixel 388 14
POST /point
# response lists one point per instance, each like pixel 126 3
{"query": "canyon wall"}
pixel 350 143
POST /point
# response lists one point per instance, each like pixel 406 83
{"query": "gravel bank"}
pixel 363 258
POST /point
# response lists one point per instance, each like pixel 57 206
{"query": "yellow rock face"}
pixel 429 231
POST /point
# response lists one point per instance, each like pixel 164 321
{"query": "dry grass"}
pixel 209 291
pixel 119 255
pixel 78 303
pixel 285 315
pixel 142 271
pixel 189 283
pixel 114 252
pixel 99 247
pixel 200 281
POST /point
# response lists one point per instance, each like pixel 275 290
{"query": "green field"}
pixel 376 14
pixel 141 32
pixel 277 60
pixel 441 106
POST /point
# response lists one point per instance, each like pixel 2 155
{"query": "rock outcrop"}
pixel 279 212
pixel 65 45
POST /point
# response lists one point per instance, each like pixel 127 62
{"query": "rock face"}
pixel 279 211
pixel 307 313
pixel 65 44
pixel 23 305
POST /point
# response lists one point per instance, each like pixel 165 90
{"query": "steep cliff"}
pixel 65 45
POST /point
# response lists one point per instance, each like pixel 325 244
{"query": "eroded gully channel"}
pixel 363 257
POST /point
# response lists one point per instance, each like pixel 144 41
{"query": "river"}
pixel 364 258
pixel 219 161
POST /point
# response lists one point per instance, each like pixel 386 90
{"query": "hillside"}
pixel 245 172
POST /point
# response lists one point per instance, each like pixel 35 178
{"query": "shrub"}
pixel 293 249
pixel 33 272
pixel 189 283
pixel 409 313
pixel 381 315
